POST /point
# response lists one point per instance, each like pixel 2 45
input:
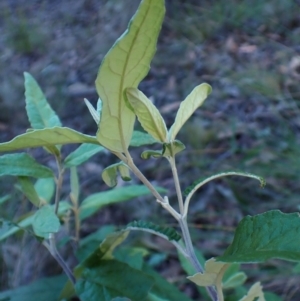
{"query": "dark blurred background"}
pixel 248 50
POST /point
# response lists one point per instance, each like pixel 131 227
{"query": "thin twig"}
pixel 177 184
pixel 51 246
pixel 59 182
pixel 127 159
pixel 192 256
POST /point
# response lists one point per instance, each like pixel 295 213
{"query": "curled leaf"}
pixel 172 148
pixel 147 154
pixel 200 182
pixel 110 174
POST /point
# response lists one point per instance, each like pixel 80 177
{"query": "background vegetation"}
pixel 249 51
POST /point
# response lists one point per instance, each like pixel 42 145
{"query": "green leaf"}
pixel 47 138
pixel 46 289
pixel 91 242
pixel 45 189
pixel 45 221
pixel 96 258
pixel 235 280
pixel 167 232
pixel 140 139
pixel 147 114
pixel 192 102
pixel 272 234
pixel 272 297
pixel 125 65
pixel 113 279
pixel 5 198
pixel 22 164
pixel 233 277
pixel 96 201
pixel 110 174
pixel 164 289
pixel 147 154
pixel 153 297
pixel 94 113
pixel 39 112
pixel 11 227
pixel 120 299
pixel 27 220
pixel 29 191
pixel 133 256
pixel 124 172
pixel 84 152
pixel 169 150
pixel 105 250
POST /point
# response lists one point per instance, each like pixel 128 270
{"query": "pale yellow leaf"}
pixel 212 276
pixel 125 65
pixel 187 107
pixel 212 272
pixel 254 292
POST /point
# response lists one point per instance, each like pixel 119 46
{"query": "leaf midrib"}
pixel 121 88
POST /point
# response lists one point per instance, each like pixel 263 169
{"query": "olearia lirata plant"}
pixel 100 275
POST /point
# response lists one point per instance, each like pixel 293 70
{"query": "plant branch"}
pixel 128 160
pixel 59 182
pixel 192 256
pixel 76 211
pixel 165 203
pixel 177 184
pixel 54 252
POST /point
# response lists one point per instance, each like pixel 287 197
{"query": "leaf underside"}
pixel 125 65
pixel 187 107
pixel 46 137
pixel 147 114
